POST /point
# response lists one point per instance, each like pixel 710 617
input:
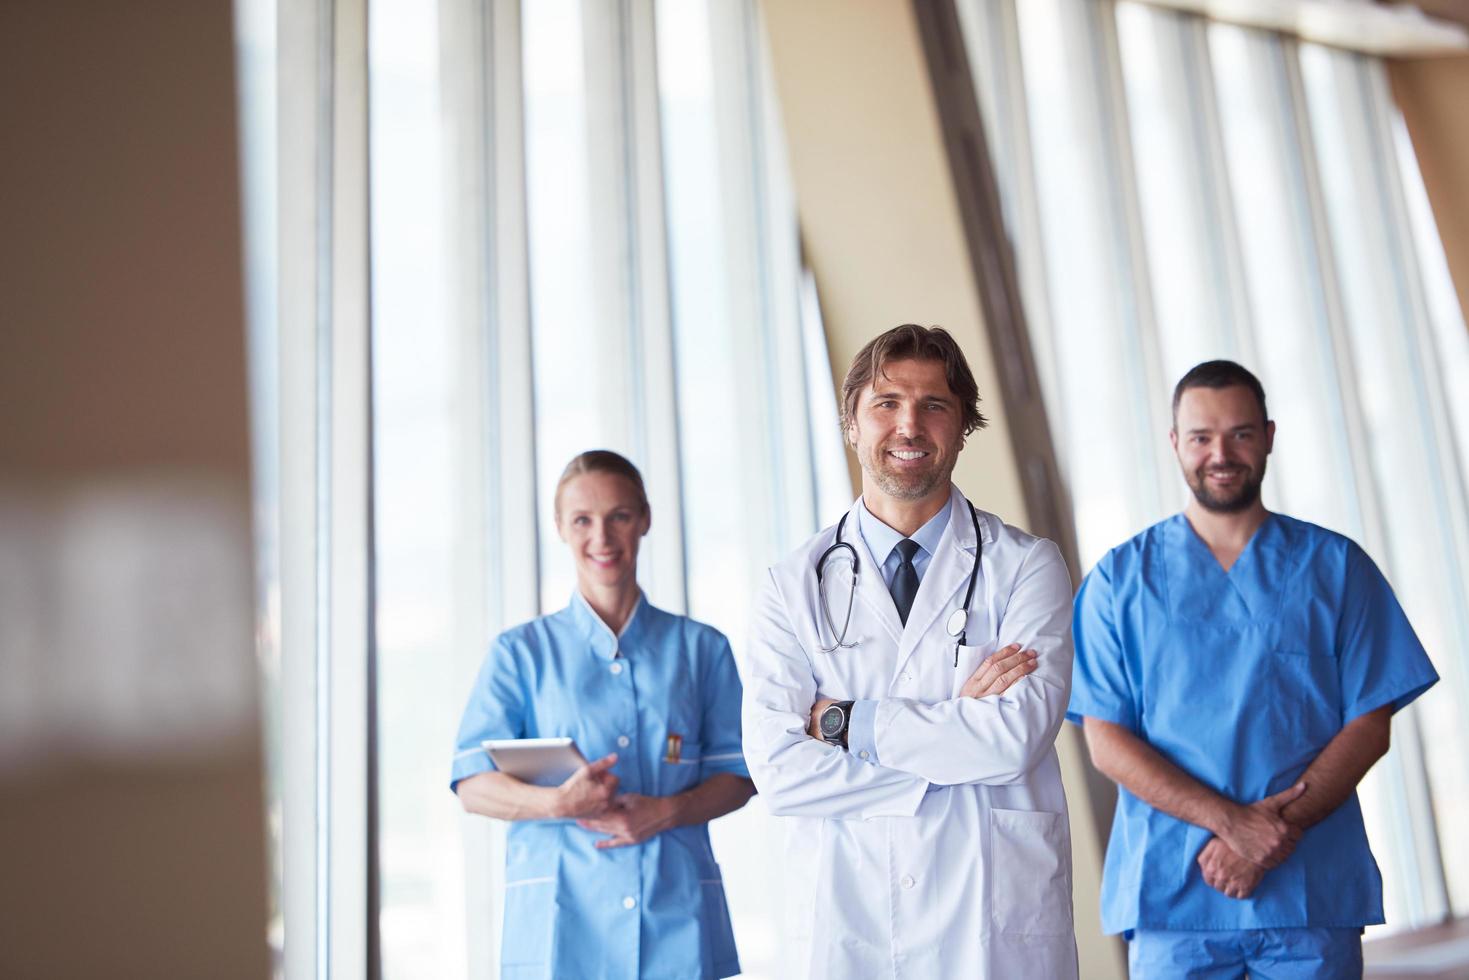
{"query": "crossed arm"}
pixel 1249 839
pixel 968 739
pixel 994 676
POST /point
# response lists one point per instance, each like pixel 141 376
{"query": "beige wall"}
pixel 878 216
pixel 883 236
pixel 130 774
pixel 1433 94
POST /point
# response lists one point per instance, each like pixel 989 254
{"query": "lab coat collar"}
pixel 603 641
pixel 872 591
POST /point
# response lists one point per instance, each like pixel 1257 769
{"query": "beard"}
pixel 907 486
pixel 1227 502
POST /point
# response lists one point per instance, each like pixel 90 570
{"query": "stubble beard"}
pixel 1242 499
pixel 914 486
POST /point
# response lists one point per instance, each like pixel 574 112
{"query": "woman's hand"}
pixel 631 819
pixel 588 791
pixel 998 671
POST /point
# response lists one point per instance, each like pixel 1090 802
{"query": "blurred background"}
pixel 304 305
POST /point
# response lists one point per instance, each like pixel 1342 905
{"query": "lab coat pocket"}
pixel 1030 873
pixel 969 658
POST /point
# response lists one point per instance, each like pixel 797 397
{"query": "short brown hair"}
pixel 601 461
pixel 912 342
pixel 1219 374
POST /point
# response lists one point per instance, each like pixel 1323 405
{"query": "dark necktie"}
pixel 905 580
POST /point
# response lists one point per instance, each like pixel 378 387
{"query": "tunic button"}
pixel 616 667
pixel 863 753
pixel 622 741
pixel 629 902
pixel 908 881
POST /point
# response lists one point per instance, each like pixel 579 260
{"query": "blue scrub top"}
pixel 655 909
pixel 1240 679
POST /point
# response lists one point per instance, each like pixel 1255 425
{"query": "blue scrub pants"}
pixel 1267 954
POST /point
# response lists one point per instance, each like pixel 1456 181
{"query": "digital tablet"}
pixel 539 761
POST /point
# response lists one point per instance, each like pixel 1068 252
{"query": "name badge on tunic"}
pixel 674 750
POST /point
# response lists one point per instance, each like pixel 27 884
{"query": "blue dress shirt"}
pixel 1240 678
pixel 663 695
pixel 882 542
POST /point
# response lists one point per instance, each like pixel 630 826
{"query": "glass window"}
pixel 415 473
pixel 1207 191
pixel 754 432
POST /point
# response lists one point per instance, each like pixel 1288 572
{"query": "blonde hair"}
pixel 601 461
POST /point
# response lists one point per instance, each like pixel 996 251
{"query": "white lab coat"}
pixel 952 858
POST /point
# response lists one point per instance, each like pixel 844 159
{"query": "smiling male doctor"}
pixel 927 828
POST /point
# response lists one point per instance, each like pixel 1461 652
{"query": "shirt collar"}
pixel 881 539
pixel 604 642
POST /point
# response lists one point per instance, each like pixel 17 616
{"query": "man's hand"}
pixel 998 671
pixel 631 819
pixel 1227 872
pixel 813 728
pixel 1258 833
pixel 587 791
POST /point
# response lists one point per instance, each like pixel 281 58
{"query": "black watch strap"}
pixel 835 721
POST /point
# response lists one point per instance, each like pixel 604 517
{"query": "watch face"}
pixel 831 721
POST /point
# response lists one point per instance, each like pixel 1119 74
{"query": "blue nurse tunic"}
pixel 1240 679
pixel 663 695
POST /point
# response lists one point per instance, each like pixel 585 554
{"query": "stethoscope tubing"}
pixel 839 545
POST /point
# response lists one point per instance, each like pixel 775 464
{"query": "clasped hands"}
pixel 995 674
pixel 1249 842
pixel 589 796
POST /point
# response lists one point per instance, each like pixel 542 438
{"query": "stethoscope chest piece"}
pixel 843 553
pixel 957 618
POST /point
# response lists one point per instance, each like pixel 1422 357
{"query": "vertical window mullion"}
pixel 650 312
pixel 325 467
pixel 352 853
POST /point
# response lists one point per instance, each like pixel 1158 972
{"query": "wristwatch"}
pixel 834 721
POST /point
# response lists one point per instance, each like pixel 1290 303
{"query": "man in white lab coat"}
pixel 906 728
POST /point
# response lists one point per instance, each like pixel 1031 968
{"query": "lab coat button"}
pixel 629 902
pixel 616 668
pixel 622 741
pixel 863 754
pixel 907 677
pixel 908 881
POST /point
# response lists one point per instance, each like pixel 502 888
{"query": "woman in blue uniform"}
pixel 610 874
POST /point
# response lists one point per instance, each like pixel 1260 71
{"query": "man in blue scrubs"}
pixel 1236 673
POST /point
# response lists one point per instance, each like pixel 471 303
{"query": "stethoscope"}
pixel 956 626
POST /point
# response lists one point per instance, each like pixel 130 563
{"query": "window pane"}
pixel 1311 466
pixel 1450 355
pixel 255 33
pixel 1107 413
pixel 1386 327
pixel 578 231
pixel 418 690
pixel 1264 187
pixel 1184 207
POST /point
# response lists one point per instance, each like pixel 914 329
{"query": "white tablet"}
pixel 539 761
